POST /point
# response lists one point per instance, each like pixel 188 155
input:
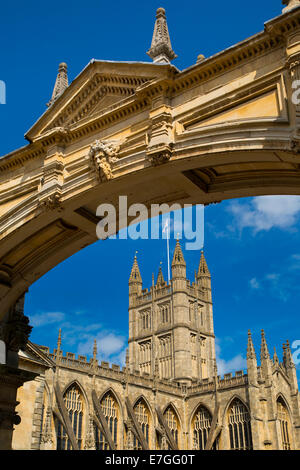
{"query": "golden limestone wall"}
pixel 261 406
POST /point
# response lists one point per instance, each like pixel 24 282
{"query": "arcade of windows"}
pixel 238 419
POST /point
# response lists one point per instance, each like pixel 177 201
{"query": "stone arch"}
pixel 175 409
pixel 113 413
pixel 77 383
pixel 235 397
pixel 200 424
pixel 116 396
pixel 281 396
pixel 198 405
pixel 284 419
pixel 237 419
pixel 142 397
pixel 177 432
pixel 78 415
pixel 147 426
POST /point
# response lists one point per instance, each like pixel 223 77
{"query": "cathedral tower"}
pixel 172 324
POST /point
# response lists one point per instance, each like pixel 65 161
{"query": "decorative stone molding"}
pixel 90 439
pixel 47 438
pixel 51 202
pixel 103 154
pixel 159 158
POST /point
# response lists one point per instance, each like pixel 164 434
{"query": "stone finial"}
pixel 200 58
pixel 160 278
pixel 127 359
pixel 95 351
pixel 275 357
pixel 289 357
pixel 58 349
pixel 203 268
pixel 290 4
pixel 264 352
pixel 250 348
pixel 135 275
pixel 161 51
pixel 61 83
pixel 178 258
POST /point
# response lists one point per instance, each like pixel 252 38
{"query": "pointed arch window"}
pixel 201 426
pixel 110 410
pixel 239 426
pixel 172 422
pixel 74 404
pixel 284 421
pixel 142 413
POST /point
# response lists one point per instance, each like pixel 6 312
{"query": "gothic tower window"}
pixel 165 356
pixel 145 319
pixel 164 313
pixel 239 426
pixel 284 421
pixel 145 351
pixel 74 404
pixel 201 426
pixel 142 413
pixel 172 422
pixel 110 410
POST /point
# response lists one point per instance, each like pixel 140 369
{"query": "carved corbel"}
pixel 161 136
pixel 51 202
pixel 103 155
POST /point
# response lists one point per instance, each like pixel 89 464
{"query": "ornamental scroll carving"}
pixel 103 154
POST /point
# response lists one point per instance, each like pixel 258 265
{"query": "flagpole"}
pixel 168 251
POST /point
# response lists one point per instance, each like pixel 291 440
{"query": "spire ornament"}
pixel 290 4
pixel 264 352
pixel 61 83
pixel 203 268
pixel 161 51
pixel 250 348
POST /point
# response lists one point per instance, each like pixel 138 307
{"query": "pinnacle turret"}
pixel 264 352
pixel 61 83
pixel 250 348
pixel 135 275
pixel 203 268
pixel 160 278
pixel 178 259
pixel 161 51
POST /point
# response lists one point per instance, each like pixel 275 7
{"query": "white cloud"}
pixel 254 284
pixel 225 366
pixel 266 212
pixel 109 344
pixel 47 318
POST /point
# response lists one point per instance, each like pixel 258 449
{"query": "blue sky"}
pixel 251 245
